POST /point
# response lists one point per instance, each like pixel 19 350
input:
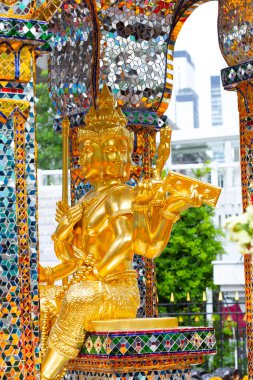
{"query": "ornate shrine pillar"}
pixel 21 40
pixel 236 44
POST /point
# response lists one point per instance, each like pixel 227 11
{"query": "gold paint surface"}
pixel 134 324
pixel 131 364
pixel 97 238
pixel 176 182
pixel 7 62
pixel 9 106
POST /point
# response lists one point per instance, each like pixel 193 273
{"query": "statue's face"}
pixel 90 160
pixel 115 158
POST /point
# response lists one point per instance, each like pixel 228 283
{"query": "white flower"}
pixel 241 230
pixel 249 211
pixel 244 218
pixel 231 222
pixel 251 225
pixel 243 237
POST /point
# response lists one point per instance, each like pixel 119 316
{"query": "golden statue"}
pixel 96 238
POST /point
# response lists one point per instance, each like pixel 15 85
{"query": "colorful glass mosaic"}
pixel 86 364
pixel 235 31
pixel 135 354
pixel 29 9
pixel 19 318
pixel 236 42
pixel 119 344
pixel 231 76
pixel 183 374
pixel 128 41
pixel 136 118
pixel 10 323
pixel 129 45
pixel 249 308
pixel 72 84
pixel 245 103
pixel 23 29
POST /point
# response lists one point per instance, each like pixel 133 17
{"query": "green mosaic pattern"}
pixel 197 340
pixel 230 76
pixel 25 30
pixel 141 117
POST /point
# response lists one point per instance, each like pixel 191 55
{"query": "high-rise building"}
pixel 185 110
pixel 216 101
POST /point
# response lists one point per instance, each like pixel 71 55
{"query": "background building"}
pixel 213 139
pixel 216 101
pixel 184 97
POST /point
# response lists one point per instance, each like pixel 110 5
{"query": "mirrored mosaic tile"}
pixel 124 43
pixel 71 72
pixel 184 340
pixel 231 76
pixel 235 31
pixel 22 29
pixel 10 323
pixel 29 9
pixel 174 374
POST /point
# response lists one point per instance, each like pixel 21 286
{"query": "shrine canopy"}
pixel 125 44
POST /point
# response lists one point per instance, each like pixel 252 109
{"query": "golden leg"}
pixel 52 364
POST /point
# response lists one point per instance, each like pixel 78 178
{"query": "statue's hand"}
pixel 42 274
pixel 74 214
pixel 46 275
pixel 179 202
pixel 147 190
pixel 61 210
pixel 65 227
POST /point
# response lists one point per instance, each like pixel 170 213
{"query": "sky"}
pixel 200 38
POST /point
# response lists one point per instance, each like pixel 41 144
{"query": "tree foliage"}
pixel 49 142
pixel 186 263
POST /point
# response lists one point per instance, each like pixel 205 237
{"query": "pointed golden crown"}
pixel 106 121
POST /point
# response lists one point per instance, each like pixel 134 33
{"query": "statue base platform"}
pixel 121 351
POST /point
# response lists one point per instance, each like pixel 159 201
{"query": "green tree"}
pixel 49 142
pixel 186 263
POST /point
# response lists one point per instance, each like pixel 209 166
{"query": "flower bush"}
pixel 240 229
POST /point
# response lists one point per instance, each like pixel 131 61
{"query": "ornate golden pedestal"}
pixel 133 349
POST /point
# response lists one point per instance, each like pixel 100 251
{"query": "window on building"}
pixel 220 178
pixel 216 103
pixel 236 154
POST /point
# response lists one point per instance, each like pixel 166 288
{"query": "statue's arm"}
pixel 65 233
pixel 58 272
pixel 67 222
pixel 151 232
pixel 121 248
pixel 153 224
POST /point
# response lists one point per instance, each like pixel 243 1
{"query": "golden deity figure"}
pixel 97 238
